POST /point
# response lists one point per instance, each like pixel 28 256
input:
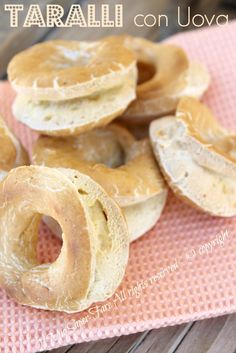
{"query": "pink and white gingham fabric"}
pixel 182 270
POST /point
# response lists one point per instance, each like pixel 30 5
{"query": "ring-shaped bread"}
pixel 125 168
pixel 94 253
pixel 198 157
pixel 165 75
pixel 62 70
pixel 12 153
pixel 67 87
pixel 74 116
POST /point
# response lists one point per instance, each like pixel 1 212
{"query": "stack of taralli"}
pixel 77 84
pixel 165 75
pixel 123 166
pixel 66 87
pixel 97 186
pixel 110 191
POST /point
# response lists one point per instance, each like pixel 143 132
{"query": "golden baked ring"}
pixel 66 88
pixel 124 167
pixel 60 70
pixel 12 154
pixel 198 157
pixel 94 253
pixel 165 75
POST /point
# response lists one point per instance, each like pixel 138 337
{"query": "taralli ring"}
pixel 125 168
pixel 12 153
pixel 60 70
pixel 94 253
pixel 165 75
pixel 198 157
pixel 66 87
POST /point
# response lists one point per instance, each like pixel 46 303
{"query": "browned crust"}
pixel 12 153
pixel 138 179
pixel 199 119
pixel 76 278
pixel 45 62
pixel 45 192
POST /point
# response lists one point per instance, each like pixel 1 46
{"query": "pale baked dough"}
pixel 124 167
pixel 12 153
pixel 165 75
pixel 75 116
pixel 67 87
pixel 61 70
pixel 95 246
pixel 198 157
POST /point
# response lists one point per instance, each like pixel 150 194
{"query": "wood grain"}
pixel 163 340
pixel 131 8
pixel 214 7
pixel 14 40
pixel 211 336
pixel 159 341
pixel 216 335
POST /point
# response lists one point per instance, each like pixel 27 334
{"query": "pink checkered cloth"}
pixel 182 270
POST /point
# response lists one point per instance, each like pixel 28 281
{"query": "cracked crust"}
pixel 197 157
pixel 60 70
pixel 12 153
pixel 95 246
pixel 171 76
pixel 124 167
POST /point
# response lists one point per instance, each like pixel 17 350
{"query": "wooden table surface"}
pixel 213 335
